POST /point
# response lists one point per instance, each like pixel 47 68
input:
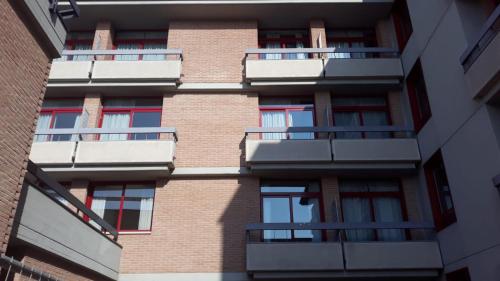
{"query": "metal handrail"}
pixel 338 226
pixel 486 33
pixel 336 129
pixel 38 178
pixel 105 131
pixel 320 50
pixel 94 53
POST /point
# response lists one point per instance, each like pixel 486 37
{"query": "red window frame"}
pixel 419 100
pixel 131 111
pixel 140 42
pixel 360 109
pixel 286 109
pixel 402 23
pixel 70 44
pixel 458 275
pixel 442 219
pixel 317 195
pixel 371 195
pixel 55 110
pixel 283 40
pixel 90 197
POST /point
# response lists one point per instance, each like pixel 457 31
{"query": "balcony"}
pixel 344 66
pixel 481 61
pixel 388 147
pixel 99 68
pixel 338 258
pixel 87 153
pixel 44 222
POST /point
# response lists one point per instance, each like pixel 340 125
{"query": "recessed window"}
pixel 131 113
pixel 59 114
pixel 402 22
pixel 359 112
pixel 459 275
pixel 78 41
pixel 291 202
pixel 417 93
pixel 439 192
pixel 140 40
pixel 345 39
pixel 365 201
pixel 127 207
pixel 283 39
pixel 287 112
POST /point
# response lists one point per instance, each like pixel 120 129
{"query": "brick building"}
pixel 240 140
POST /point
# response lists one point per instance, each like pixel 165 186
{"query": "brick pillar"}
pixel 166 106
pixel 323 111
pixel 103 38
pixel 79 190
pixel 318 34
pixel 92 108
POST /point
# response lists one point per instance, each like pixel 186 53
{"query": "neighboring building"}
pixel 240 140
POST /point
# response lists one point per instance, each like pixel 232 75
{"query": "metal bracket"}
pixel 72 12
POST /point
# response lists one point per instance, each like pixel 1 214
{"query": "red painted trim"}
pixel 420 113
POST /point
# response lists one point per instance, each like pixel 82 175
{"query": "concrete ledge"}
pixel 370 150
pixel 371 68
pixel 311 69
pixel 294 257
pixel 66 71
pixel 287 151
pixel 136 70
pixel 53 153
pixel 392 255
pixel 125 152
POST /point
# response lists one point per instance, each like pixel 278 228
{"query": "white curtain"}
pixel 43 123
pixel 388 210
pixel 273 45
pixel 357 210
pixel 77 125
pixel 338 55
pixel 154 46
pixel 83 47
pixel 146 213
pixel 127 46
pixel 115 121
pixel 273 119
pixel 376 118
pixel 301 56
pixel 98 206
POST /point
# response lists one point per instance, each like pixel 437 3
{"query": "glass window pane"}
pixel 388 210
pixel 376 118
pixel 132 103
pixel 127 46
pixel 106 203
pixel 301 119
pixel 43 123
pixel 347 119
pixel 443 187
pixel 357 210
pixel 306 210
pixel 154 46
pixel 273 119
pixel 115 121
pixel 137 208
pixel 276 210
pixel 64 103
pixel 363 101
pixel 287 188
pixel 146 119
pixel 66 120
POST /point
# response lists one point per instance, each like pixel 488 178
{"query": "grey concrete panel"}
pixel 371 150
pixel 392 255
pixel 136 70
pixel 70 71
pixel 53 153
pixel 287 151
pixel 311 69
pixel 46 224
pixel 383 68
pixel 294 257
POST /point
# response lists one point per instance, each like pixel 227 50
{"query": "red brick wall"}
pixel 23 72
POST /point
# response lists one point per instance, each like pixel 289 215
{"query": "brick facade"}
pixel 24 69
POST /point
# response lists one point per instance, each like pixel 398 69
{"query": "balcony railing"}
pixel 393 131
pixel 305 64
pixel 415 254
pixel 133 55
pixel 488 32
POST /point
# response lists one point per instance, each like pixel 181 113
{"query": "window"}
pixel 417 93
pixel 283 39
pixel 136 40
pixel 131 113
pixel 439 192
pixel 287 112
pixel 365 201
pixel 361 111
pixel 78 41
pixel 351 39
pixel 402 22
pixel 59 114
pixel 127 207
pixel 291 202
pixel 459 275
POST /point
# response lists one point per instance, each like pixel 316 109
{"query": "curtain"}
pixel 347 119
pixel 300 119
pixel 273 119
pixel 338 55
pixel 358 55
pixel 273 45
pixel 42 124
pixel 115 121
pixel 376 118
pixel 146 213
pixel 127 46
pixel 154 46
pixel 301 56
pixel 98 206
pixel 357 210
pixel 82 47
pixel 388 210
